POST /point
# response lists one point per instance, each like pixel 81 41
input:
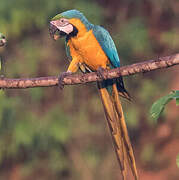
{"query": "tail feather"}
pixel 111 117
pixel 121 89
pixel 115 118
pixel 125 136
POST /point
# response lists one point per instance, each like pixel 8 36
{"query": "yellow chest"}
pixel 87 49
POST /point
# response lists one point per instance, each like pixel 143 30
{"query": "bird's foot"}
pixel 61 78
pixel 100 73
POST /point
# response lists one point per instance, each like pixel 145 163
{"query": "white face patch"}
pixel 63 26
pixel 67 29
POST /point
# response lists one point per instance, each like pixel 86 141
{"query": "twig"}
pixel 145 66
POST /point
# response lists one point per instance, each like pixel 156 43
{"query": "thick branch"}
pixel 145 66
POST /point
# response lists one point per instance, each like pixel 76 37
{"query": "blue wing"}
pixel 67 48
pixel 107 44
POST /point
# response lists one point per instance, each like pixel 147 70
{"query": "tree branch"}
pixel 145 66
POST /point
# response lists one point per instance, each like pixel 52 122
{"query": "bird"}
pixel 90 48
pixel 2 40
pixel 2 43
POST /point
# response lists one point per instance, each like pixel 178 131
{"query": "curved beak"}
pixel 54 32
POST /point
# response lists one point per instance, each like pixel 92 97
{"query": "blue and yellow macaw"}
pixel 91 48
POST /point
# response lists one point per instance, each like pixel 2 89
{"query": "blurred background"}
pixel 46 133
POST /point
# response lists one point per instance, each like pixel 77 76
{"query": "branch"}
pixel 145 66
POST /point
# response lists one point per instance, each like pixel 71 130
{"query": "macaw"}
pixel 91 48
pixel 2 43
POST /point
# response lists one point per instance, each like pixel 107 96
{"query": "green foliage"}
pixel 177 101
pixel 0 64
pixel 134 30
pixel 132 117
pixel 48 133
pixel 158 107
pixel 19 17
pixel 177 160
pixel 148 153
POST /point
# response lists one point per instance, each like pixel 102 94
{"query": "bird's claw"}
pixel 100 73
pixel 61 78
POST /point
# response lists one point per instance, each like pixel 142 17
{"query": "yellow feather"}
pixel 115 118
pixel 86 48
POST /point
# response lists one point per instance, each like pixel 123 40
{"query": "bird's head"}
pixel 2 40
pixel 68 23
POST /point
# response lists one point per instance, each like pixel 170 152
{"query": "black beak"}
pixel 55 33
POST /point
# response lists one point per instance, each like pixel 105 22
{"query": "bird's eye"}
pixel 62 20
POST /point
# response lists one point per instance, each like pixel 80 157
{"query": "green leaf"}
pixel 177 101
pixel 177 160
pixel 158 106
pixel 176 96
pixel 176 93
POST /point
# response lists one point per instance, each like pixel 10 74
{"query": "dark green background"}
pixel 49 134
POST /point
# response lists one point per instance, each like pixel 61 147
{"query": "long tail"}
pixel 115 118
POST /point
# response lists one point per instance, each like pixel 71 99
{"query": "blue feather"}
pixel 107 44
pixel 105 41
pixel 67 48
pixel 77 14
pixel 101 34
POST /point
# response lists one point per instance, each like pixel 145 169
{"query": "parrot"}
pixel 90 48
pixel 2 40
pixel 2 43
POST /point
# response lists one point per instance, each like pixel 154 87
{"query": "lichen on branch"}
pixel 145 66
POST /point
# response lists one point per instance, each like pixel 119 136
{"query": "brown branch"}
pixel 145 66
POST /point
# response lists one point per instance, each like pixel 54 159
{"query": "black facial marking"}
pixel 54 30
pixel 3 37
pixel 62 33
pixel 73 33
